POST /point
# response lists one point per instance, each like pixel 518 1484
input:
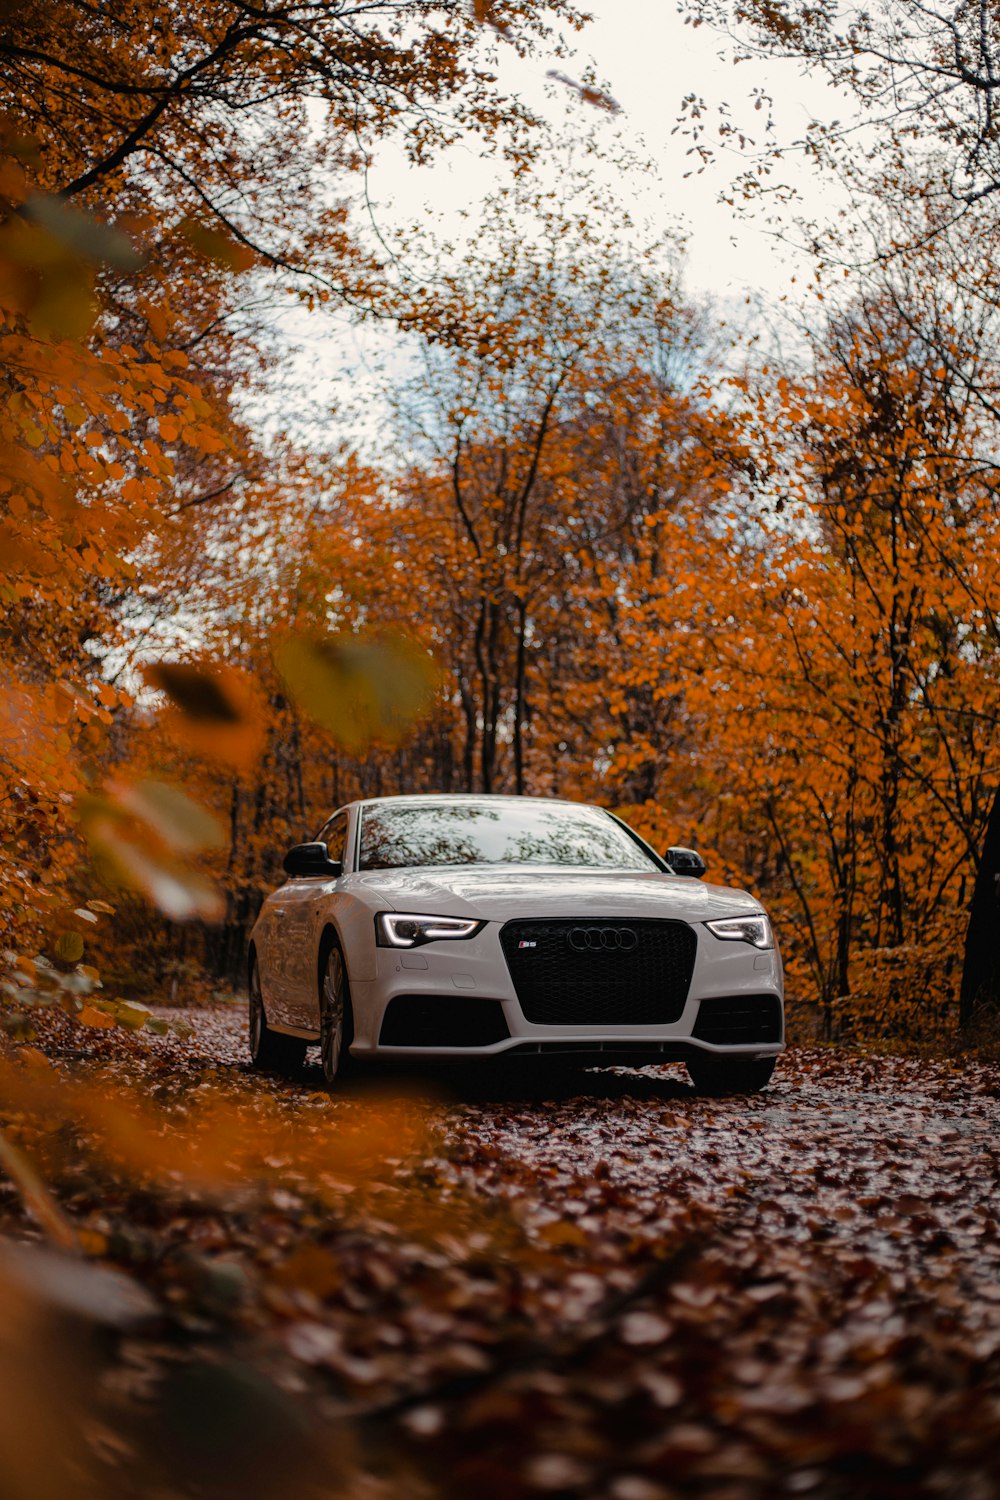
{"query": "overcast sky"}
pixel 650 60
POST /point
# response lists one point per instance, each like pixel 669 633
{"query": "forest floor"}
pixel 498 1286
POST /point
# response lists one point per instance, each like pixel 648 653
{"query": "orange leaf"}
pixel 88 1016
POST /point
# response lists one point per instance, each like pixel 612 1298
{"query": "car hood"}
pixel 497 894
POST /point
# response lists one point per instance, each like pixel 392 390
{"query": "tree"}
pixel 216 111
pixel 919 73
pixel 119 352
pixel 550 424
pixel 846 669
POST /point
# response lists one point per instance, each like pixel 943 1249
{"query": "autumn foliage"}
pixel 747 602
pixel 753 611
pixel 737 583
pixel 125 463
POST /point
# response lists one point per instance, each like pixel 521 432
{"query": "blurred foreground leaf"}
pixel 139 835
pixel 44 282
pixel 91 1016
pixel 83 236
pixel 360 688
pixel 181 823
pixel 96 1294
pixel 214 709
pixel 48 257
pixel 216 246
pixel 37 1198
pixel 588 92
pixel 218 1141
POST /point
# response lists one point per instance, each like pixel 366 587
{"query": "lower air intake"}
pixel 729 1020
pixel 442 1021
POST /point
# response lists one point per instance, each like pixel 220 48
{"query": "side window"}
pixel 334 836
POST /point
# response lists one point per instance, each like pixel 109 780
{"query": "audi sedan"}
pixel 460 927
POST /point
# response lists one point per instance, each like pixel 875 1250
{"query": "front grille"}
pixel 600 972
pixel 442 1021
pixel 729 1020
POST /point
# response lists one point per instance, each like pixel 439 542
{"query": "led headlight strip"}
pixel 755 930
pixel 397 929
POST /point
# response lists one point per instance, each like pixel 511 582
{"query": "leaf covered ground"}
pixel 499 1285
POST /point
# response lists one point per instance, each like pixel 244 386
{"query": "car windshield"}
pixel 400 835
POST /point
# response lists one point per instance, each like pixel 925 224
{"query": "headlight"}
pixel 395 929
pixel 755 930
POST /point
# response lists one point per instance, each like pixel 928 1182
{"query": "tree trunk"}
pixel 491 696
pixel 469 746
pixel 981 975
pixel 520 704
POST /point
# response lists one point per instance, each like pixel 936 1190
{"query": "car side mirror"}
pixel 312 859
pixel 685 862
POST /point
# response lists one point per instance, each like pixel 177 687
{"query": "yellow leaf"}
pixel 360 688
pixel 132 1015
pixel 68 947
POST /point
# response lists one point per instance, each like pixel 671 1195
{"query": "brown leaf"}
pixel 589 93
pixel 213 244
pixel 216 710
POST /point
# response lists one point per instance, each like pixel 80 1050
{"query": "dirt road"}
pixel 793 1293
pixel 495 1288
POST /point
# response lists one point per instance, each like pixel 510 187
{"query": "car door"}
pixel 277 953
pixel 302 919
pixel 268 948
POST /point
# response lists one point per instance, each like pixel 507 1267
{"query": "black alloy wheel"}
pixel 336 1018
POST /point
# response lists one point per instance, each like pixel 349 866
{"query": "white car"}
pixel 460 927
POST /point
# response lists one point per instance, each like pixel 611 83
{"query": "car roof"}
pixel 464 797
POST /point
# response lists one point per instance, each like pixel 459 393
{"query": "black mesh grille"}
pixel 442 1021
pixel 604 971
pixel 730 1019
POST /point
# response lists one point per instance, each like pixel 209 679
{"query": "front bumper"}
pixel 469 983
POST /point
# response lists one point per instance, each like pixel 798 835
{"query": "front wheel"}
pixel 336 1019
pixel 270 1052
pixel 730 1075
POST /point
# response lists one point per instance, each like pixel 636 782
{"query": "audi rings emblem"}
pixel 596 939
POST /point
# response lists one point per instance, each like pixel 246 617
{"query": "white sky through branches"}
pixel 649 60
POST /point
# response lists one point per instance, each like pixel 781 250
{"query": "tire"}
pixel 730 1075
pixel 270 1051
pixel 336 1017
